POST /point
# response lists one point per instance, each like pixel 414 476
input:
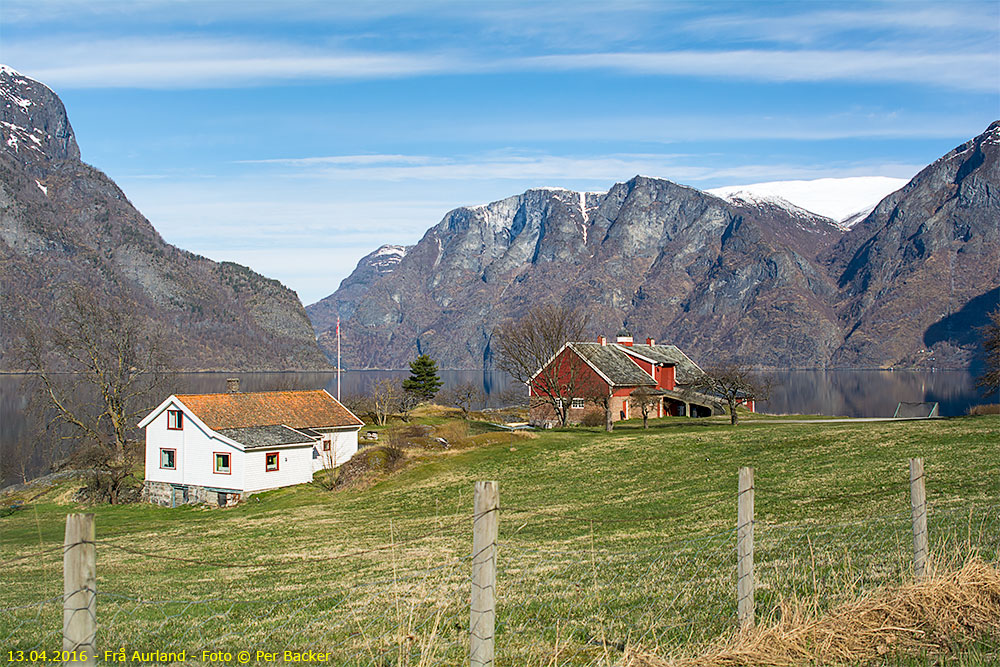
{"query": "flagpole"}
pixel 338 357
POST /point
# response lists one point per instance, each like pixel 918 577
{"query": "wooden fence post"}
pixel 80 589
pixel 484 574
pixel 744 551
pixel 918 511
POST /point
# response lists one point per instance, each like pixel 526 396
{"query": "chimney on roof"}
pixel 232 385
pixel 624 338
pixel 651 342
pixel 602 340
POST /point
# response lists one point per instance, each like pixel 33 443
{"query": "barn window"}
pixel 578 403
pixel 271 461
pixel 175 420
pixel 168 459
pixel 326 445
pixel 222 462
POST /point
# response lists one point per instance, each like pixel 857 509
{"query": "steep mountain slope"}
pixel 374 265
pixel 64 223
pixel 667 261
pixel 922 255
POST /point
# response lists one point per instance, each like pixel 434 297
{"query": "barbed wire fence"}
pixel 515 599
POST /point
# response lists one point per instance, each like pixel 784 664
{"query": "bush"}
pixel 593 418
pixel 369 462
pixel 988 409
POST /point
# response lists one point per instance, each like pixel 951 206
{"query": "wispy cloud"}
pixel 971 71
pixel 544 169
pixel 195 62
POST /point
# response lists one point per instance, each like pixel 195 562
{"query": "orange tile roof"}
pixel 298 409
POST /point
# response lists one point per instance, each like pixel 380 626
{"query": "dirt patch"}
pixel 930 617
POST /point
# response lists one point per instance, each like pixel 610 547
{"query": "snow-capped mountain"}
pixel 840 199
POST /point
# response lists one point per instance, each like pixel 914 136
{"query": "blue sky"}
pixel 296 137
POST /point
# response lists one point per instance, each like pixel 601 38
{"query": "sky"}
pixel 296 137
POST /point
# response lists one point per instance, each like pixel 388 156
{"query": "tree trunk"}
pixel 645 418
pixel 734 418
pixel 609 418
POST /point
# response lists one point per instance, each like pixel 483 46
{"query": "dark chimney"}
pixel 233 385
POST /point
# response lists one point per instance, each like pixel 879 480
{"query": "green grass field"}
pixel 605 541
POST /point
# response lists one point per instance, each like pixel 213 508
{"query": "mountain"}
pixel 668 261
pixel 63 222
pixel 746 275
pixel 323 313
pixel 924 254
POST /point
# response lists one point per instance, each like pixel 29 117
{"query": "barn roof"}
pixel 297 409
pixel 686 370
pixel 256 437
pixel 613 364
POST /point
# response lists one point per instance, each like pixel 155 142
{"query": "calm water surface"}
pixel 847 393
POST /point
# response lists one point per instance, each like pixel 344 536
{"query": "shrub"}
pixel 593 418
pixel 988 409
pixel 368 463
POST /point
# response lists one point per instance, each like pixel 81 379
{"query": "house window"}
pixel 271 461
pixel 222 463
pixel 168 459
pixel 326 445
pixel 175 420
pixel 559 404
pixel 578 404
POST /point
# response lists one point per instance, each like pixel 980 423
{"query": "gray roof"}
pixel 686 370
pixel 255 437
pixel 615 365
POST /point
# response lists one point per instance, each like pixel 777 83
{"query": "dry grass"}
pixel 986 409
pixel 932 616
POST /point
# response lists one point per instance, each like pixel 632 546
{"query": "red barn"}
pixel 582 376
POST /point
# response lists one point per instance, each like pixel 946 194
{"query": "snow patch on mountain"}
pixel 748 198
pixel 835 198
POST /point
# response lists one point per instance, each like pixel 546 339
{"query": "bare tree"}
pixel 645 400
pixel 527 350
pixel 602 397
pixel 990 379
pixel 385 395
pixel 110 367
pixel 361 405
pixel 733 383
pixel 465 397
pixel 407 402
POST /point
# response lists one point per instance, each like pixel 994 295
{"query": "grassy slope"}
pixel 646 522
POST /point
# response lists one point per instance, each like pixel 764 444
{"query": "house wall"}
pixel 343 445
pixel 194 457
pixel 667 378
pixel 295 466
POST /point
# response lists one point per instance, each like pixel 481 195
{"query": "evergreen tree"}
pixel 424 380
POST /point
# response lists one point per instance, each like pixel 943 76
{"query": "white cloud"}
pixel 970 71
pixel 195 62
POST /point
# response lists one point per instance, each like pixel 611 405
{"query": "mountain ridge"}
pixel 754 277
pixel 63 222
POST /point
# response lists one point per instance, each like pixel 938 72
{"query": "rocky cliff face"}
pixel 64 223
pixel 744 277
pixel 668 261
pixel 922 255
pixel 323 313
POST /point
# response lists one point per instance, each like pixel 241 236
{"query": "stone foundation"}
pixel 172 495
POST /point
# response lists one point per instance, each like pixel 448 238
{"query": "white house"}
pixel 218 447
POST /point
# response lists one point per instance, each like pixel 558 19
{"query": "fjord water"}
pixel 850 393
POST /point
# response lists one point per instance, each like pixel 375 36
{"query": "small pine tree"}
pixel 424 380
